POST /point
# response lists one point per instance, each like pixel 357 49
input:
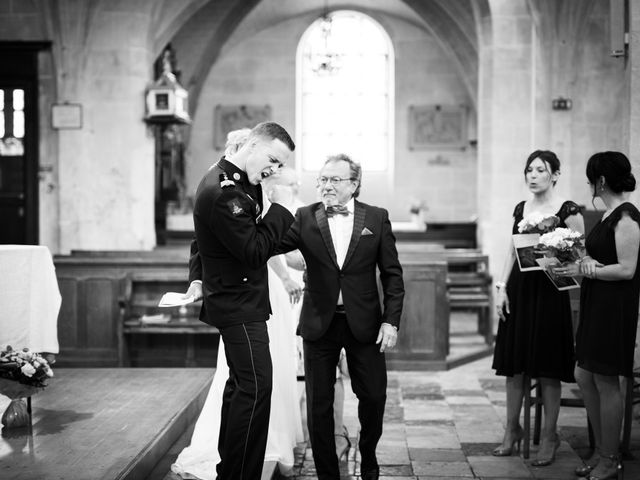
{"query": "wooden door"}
pixel 19 143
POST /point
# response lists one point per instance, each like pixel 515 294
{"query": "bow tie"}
pixel 337 210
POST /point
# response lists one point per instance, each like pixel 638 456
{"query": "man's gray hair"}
pixel 354 168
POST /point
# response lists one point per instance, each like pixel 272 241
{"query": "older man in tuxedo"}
pixel 343 241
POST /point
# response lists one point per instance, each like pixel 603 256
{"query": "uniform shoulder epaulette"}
pixel 225 181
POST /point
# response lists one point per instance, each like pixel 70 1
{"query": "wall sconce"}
pixel 561 103
pixel 167 101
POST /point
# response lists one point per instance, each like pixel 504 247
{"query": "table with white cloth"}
pixel 29 299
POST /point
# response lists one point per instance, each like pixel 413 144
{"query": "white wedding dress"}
pixel 199 459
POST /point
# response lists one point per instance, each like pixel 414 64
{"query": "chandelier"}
pixel 325 60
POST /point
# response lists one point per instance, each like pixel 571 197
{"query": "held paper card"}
pixel 561 283
pixel 525 245
pixel 175 299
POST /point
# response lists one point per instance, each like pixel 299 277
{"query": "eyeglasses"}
pixel 322 181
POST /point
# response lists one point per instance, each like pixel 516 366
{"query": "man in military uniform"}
pixel 233 243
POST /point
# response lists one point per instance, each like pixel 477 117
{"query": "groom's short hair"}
pixel 272 131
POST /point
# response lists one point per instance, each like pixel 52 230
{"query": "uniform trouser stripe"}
pixel 255 400
pixel 246 401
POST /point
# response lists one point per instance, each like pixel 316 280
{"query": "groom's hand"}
pixel 387 336
pixel 195 291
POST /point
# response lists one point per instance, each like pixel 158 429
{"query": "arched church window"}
pixel 345 91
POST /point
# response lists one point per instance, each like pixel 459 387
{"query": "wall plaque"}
pixel 437 127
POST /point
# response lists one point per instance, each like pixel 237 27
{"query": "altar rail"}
pixel 102 295
pixel 98 288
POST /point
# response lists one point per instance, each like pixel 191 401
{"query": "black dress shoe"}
pixel 370 474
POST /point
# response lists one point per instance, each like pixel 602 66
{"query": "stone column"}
pixel 106 168
pixel 506 102
pixel 633 75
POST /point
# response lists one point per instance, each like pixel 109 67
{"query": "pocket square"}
pixel 366 231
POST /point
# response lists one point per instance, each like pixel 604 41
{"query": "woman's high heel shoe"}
pixel 508 451
pixel 544 462
pixel 590 464
pixel 608 467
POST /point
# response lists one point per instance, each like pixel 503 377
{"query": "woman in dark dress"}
pixel 606 335
pixel 535 334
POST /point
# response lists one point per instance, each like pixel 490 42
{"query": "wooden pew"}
pixel 468 279
pixel 101 290
pixel 145 289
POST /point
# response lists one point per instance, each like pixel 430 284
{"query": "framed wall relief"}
pixel 437 127
pixel 232 117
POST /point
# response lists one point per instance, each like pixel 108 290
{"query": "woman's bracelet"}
pixel 500 285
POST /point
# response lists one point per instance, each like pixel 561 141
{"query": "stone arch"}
pixel 453 24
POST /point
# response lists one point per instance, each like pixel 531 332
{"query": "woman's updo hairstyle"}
pixel 546 156
pixel 615 168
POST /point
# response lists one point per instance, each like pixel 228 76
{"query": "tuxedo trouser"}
pixel 246 402
pixel 368 373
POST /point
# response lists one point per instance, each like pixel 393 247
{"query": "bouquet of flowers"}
pixel 24 366
pixel 564 244
pixel 559 247
pixel 537 222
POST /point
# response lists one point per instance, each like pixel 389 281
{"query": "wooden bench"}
pixel 468 280
pixel 144 291
pixel 448 234
pixel 469 288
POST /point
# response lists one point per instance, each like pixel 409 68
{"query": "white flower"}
pixel 536 221
pixel 28 370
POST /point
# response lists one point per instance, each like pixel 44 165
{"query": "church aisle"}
pixel 444 425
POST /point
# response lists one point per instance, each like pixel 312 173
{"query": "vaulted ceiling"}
pixel 199 29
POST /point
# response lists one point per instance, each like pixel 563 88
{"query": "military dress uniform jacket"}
pixel 232 245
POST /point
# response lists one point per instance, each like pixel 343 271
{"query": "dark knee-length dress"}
pixel 536 339
pixel 606 336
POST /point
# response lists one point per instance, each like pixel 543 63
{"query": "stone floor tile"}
pixel 396 470
pixel 474 449
pixel 462 392
pixel 436 455
pixel 508 467
pixel 443 469
pixel 468 400
pixel 418 409
pixel 441 426
pixel 432 437
pixel 393 455
pixel 385 477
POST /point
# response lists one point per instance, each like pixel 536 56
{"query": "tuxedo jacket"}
pixel 232 245
pixel 372 245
